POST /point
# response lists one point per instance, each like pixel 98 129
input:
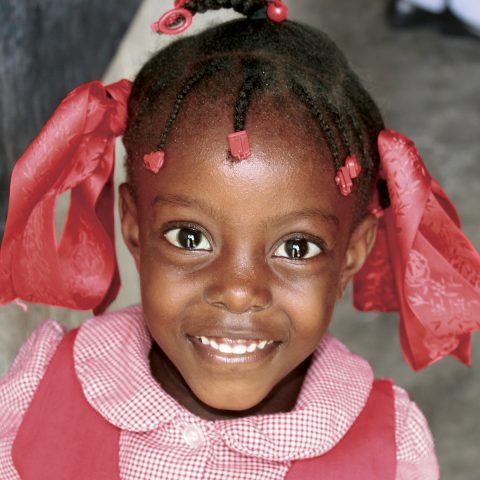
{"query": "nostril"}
pixel 237 298
pixel 258 308
pixel 218 305
pixel 236 308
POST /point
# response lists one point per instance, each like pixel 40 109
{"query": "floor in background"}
pixel 428 87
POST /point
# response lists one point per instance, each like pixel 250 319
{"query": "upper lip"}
pixel 234 335
pixel 237 328
pixel 219 331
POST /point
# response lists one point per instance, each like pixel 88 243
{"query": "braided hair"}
pixel 285 60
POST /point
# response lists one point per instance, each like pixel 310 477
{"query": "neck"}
pixel 282 397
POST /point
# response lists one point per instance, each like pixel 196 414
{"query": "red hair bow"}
pixel 74 151
pixel 422 264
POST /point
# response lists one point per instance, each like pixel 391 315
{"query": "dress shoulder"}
pixel 19 384
pixel 416 458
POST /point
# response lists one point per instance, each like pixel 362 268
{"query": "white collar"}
pixel 111 360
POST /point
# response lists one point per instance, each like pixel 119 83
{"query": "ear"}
pixel 360 244
pixel 129 222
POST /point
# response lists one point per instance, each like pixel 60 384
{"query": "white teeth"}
pixel 235 349
pixel 224 348
pixel 239 349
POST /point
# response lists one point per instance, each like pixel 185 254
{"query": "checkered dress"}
pixel 161 439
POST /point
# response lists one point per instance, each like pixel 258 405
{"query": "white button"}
pixel 193 436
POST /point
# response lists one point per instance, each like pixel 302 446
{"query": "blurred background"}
pixel 423 70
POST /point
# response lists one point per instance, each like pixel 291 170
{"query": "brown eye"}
pixel 188 238
pixel 297 249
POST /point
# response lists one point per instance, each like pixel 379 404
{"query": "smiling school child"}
pixel 260 177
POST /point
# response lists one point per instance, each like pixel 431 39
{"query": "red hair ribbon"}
pixel 422 264
pixel 74 151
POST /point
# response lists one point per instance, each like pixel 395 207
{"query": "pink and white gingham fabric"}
pixel 162 440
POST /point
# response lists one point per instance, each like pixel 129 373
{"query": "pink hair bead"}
pixel 346 173
pixel 154 161
pixel 239 145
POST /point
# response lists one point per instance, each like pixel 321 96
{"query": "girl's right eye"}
pixel 188 238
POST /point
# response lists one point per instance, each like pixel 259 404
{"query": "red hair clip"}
pixel 239 145
pixel 346 174
pixel 167 23
pixel 277 11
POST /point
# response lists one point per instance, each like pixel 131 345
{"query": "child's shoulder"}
pixel 352 374
pixel 30 363
pixel 19 384
pixel 415 446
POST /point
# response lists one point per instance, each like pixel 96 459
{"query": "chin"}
pixel 232 402
pixel 233 407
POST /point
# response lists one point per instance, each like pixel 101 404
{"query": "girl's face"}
pixel 240 263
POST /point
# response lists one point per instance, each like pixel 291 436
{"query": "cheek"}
pixel 166 294
pixel 310 302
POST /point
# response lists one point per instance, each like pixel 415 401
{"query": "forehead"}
pixel 290 167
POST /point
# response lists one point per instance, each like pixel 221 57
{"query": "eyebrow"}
pixel 213 212
pixel 305 213
pixel 188 202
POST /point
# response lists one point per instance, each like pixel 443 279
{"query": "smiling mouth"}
pixel 234 346
pixel 233 350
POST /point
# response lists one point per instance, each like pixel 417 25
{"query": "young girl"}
pixel 255 193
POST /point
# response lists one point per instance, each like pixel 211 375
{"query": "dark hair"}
pixel 286 59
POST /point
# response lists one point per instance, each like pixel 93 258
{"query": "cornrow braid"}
pixel 360 142
pixel 367 161
pixel 206 70
pixel 357 138
pixel 335 116
pixel 256 77
pixel 307 99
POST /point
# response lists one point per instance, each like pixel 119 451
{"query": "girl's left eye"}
pixel 188 238
pixel 297 249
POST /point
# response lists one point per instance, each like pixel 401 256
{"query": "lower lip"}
pixel 214 356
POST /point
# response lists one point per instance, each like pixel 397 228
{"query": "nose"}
pixel 239 288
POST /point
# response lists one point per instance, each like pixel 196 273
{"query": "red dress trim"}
pixel 368 449
pixel 61 435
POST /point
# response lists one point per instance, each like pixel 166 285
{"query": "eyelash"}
pixel 174 239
